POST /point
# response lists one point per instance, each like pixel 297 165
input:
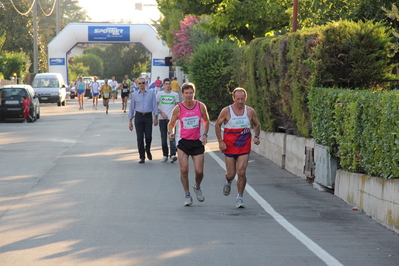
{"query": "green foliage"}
pixel 278 72
pixel 93 62
pixel 209 71
pixel 12 62
pixel 277 80
pixel 243 19
pixel 118 60
pixel 352 55
pixel 77 70
pixel 361 127
pixel 170 21
pixel 18 28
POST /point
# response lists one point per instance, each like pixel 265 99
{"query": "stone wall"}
pixel 377 197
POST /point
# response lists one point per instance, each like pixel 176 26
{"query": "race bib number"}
pixel 240 123
pixel 124 90
pixel 106 95
pixel 191 122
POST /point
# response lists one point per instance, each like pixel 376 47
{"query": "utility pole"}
pixel 57 16
pixel 35 46
pixel 295 16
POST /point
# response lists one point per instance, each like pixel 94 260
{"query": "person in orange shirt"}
pixel 175 85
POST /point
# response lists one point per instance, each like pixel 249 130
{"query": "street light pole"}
pixel 295 16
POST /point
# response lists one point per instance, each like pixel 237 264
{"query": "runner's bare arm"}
pixel 218 128
pixel 173 121
pixel 205 120
pixel 256 125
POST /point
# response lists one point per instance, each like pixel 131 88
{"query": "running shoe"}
pixel 226 188
pixel 198 192
pixel 240 203
pixel 164 159
pixel 173 158
pixel 188 201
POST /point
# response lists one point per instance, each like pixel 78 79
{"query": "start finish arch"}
pixel 107 33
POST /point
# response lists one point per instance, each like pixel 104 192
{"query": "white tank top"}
pixel 238 121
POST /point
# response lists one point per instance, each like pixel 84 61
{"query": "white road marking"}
pixel 312 246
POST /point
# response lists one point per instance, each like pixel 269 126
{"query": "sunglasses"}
pixel 140 83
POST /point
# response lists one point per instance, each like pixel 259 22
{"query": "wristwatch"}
pixel 206 135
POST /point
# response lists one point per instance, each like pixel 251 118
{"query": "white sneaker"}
pixel 173 158
pixel 240 203
pixel 226 188
pixel 188 201
pixel 164 159
pixel 198 192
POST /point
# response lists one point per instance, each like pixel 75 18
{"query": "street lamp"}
pixel 15 76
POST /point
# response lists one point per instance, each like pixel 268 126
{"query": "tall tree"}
pixel 243 19
pixel 94 62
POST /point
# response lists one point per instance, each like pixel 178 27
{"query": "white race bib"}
pixel 191 122
pixel 106 95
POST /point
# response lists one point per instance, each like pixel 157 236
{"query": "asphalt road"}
pixel 72 193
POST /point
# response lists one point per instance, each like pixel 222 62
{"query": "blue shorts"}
pixel 95 93
pixel 80 92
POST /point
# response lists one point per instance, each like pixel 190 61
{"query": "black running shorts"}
pixel 191 147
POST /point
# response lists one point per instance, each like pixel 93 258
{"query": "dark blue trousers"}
pixel 143 125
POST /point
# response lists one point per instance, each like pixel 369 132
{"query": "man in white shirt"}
pixel 166 100
pixel 95 89
pixel 114 87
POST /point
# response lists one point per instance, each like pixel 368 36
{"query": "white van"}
pixel 50 88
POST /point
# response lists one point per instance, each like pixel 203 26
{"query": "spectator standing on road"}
pixel 142 105
pixel 26 109
pixel 80 88
pixel 236 141
pixel 147 82
pixel 114 87
pixel 166 101
pixel 106 94
pixel 125 91
pixel 175 85
pixel 158 85
pixel 133 87
pixel 95 89
pixel 191 136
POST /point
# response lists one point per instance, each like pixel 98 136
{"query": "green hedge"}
pixel 278 72
pixel 210 71
pixel 360 127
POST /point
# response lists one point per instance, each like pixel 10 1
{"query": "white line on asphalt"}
pixel 312 246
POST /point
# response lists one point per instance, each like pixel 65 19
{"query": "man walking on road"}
pixel 95 89
pixel 142 105
pixel 191 137
pixel 236 141
pixel 167 100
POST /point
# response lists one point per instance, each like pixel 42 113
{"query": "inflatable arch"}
pixel 75 33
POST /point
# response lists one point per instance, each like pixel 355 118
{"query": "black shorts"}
pixel 191 147
pixel 125 94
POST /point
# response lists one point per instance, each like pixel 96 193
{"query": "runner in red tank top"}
pixel 236 141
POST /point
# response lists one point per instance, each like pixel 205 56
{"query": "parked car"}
pixel 50 88
pixel 73 93
pixel 11 102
